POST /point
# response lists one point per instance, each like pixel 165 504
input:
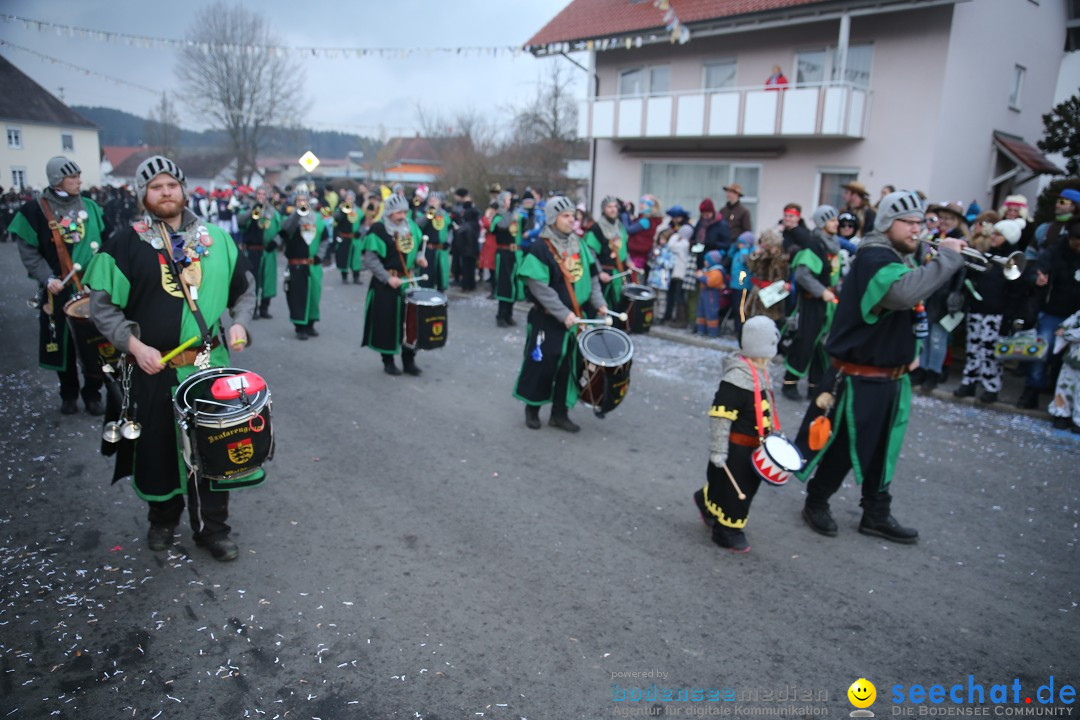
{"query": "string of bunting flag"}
pixel 84 71
pixel 332 53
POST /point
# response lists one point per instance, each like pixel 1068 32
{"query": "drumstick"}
pixel 74 269
pixel 178 349
pixel 731 477
pixel 624 272
pixel 420 278
pixel 621 315
pixel 597 321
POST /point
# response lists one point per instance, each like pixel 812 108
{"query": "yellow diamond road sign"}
pixel 309 161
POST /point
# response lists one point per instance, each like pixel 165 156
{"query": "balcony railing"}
pixel 832 110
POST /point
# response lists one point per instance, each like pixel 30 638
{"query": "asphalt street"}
pixel 417 552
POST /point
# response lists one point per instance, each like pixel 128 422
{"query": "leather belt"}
pixel 346 236
pixel 301 261
pixel 750 441
pixel 506 246
pixel 870 371
pixel 183 359
pixel 394 273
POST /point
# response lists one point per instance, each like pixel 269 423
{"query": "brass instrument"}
pixel 257 212
pixel 347 208
pixel 430 214
pixel 514 228
pixel 302 208
pixel 1012 265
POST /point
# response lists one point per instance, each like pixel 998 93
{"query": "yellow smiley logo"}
pixel 862 693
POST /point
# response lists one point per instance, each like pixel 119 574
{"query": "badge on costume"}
pixel 405 242
pixel 168 281
pixel 574 268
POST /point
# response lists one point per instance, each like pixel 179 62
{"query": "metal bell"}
pixel 131 430
pixel 111 432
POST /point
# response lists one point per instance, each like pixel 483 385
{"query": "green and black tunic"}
pixel 437 254
pixel 551 350
pixel 508 257
pixel 815 316
pixel 81 235
pixel 259 238
pixel 384 314
pixel 346 230
pixel 303 291
pixel 130 275
pixel 611 261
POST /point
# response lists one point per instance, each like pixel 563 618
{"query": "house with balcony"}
pixel 945 96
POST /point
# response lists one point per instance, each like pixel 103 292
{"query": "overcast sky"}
pixel 353 95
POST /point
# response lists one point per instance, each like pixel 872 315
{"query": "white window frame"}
pixel 827 69
pixel 17 134
pixel 64 147
pixel 647 70
pixel 1017 92
pixel 822 171
pixel 752 200
pixel 18 178
pixel 718 61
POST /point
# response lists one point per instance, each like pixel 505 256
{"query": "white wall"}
pixel 41 142
pixel 988 38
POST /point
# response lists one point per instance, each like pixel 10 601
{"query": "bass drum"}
pixel 224 419
pixel 92 347
pixel 638 302
pixel 425 319
pixel 604 359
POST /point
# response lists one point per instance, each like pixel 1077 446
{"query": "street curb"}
pixel 729 344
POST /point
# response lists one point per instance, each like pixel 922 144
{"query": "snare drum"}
pixel 90 344
pixel 425 319
pixel 224 419
pixel 604 359
pixel 776 459
pixel 637 303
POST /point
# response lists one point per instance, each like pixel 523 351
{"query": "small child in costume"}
pixel 713 295
pixel 1065 407
pixel 742 413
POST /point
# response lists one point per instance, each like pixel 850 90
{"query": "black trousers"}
pixel 467 267
pixel 69 380
pixel 836 463
pixel 208 511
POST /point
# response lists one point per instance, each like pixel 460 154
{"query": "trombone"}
pixel 1012 265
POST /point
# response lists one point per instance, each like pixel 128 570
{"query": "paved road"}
pixel 419 553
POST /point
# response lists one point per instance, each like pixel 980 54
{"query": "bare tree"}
pixel 162 130
pixel 232 76
pixel 552 114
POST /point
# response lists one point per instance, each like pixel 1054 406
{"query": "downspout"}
pixel 594 91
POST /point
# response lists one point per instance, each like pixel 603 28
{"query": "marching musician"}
pixel 530 219
pixel 742 413
pixel 346 230
pixel 560 273
pixel 504 228
pixel 259 227
pixel 302 234
pixel 59 230
pixel 391 252
pixel 817 271
pixel 144 284
pixel 435 226
pixel 873 345
pixel 607 239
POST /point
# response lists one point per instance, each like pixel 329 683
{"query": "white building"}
pixel 37 127
pixel 945 96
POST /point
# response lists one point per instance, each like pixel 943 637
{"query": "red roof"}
pixel 585 19
pixel 117 154
pixel 1027 155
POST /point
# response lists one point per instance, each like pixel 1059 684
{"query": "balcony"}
pixel 831 110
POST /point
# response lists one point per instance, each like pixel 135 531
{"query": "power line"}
pixel 84 71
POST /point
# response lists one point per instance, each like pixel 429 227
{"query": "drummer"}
pixel 607 240
pixel 138 303
pixel 740 416
pixel 49 255
pixel 557 260
pixel 391 252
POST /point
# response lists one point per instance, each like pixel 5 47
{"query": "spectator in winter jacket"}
pixel 679 247
pixel 736 215
pixel 710 231
pixel 796 234
pixel 713 295
pixel 740 273
pixel 857 202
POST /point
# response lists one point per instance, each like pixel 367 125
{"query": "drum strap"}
pixel 404 267
pixel 566 279
pixel 759 411
pixel 61 248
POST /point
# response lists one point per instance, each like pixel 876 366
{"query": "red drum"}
pixel 776 459
pixel 604 358
pixel 425 319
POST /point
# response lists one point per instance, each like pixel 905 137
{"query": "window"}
pixel 719 74
pixel 18 179
pixel 813 66
pixel 830 191
pixel 687 184
pixel 1017 87
pixel 644 81
pixel 67 141
pixel 14 138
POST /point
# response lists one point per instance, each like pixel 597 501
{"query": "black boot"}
pixel 820 520
pixel 264 309
pixel 532 417
pixel 791 389
pixel 730 538
pixel 931 381
pixel 699 501
pixel 964 390
pixel 356 278
pixel 301 332
pixel 344 278
pixel 388 365
pixel 408 361
pixel 877 520
pixel 1029 399
pixel 311 331
pixel 160 537
pixel 560 418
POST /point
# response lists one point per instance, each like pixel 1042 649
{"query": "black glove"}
pixel 954 302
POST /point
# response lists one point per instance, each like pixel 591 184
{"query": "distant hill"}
pixel 123 128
